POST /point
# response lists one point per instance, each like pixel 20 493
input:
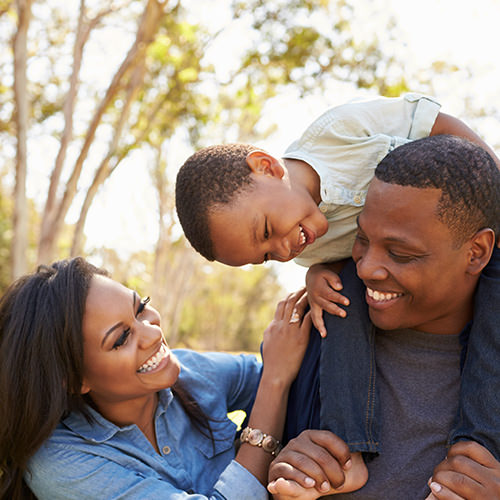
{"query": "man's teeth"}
pixel 381 296
pixel 154 360
pixel 302 238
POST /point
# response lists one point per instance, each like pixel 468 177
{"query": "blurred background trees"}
pixel 89 89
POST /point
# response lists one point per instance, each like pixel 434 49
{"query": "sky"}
pixel 457 31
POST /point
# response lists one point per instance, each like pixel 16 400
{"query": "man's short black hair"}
pixel 212 176
pixel 465 173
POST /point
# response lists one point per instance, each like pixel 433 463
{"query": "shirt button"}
pixel 357 199
pixel 166 450
pixel 323 208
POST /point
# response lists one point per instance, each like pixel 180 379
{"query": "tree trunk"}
pixel 148 26
pixel 20 216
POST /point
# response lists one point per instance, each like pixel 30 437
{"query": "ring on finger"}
pixel 295 317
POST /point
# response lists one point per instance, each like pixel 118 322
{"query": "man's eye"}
pixel 402 259
pixel 122 339
pixel 361 238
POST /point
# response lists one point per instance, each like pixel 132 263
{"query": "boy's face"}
pixel 404 254
pixel 268 221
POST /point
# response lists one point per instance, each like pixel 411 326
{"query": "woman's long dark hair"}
pixel 41 364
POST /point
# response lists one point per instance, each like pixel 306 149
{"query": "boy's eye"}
pixel 266 231
pixel 122 339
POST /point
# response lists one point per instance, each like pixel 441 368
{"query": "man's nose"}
pixel 370 266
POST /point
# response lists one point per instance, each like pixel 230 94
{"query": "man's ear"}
pixel 481 248
pixel 261 162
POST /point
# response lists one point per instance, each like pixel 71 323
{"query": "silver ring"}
pixel 295 318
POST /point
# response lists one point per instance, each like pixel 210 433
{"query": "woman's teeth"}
pixel 154 360
pixel 381 296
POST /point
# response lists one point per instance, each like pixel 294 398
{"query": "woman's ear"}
pixel 261 162
pixel 85 389
pixel 481 248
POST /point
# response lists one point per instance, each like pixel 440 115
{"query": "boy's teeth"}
pixel 302 236
pixel 153 361
pixel 381 296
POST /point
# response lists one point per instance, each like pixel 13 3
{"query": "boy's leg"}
pixel 479 411
pixel 349 406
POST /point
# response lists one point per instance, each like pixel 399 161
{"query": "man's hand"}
pixel 314 464
pixel 469 472
pixel 323 285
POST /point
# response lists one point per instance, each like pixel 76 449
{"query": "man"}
pixel 425 234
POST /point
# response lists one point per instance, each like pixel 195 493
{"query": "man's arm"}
pixel 447 124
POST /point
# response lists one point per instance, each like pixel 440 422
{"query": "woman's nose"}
pixel 148 329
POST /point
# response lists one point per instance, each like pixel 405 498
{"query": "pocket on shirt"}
pixel 224 432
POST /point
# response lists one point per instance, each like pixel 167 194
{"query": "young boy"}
pixel 241 205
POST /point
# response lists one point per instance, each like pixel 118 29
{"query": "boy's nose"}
pixel 282 250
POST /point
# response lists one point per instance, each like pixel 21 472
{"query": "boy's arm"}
pixel 447 124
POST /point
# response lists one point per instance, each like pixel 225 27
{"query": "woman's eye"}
pixel 122 339
pixel 142 305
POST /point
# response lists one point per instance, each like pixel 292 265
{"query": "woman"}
pixel 95 405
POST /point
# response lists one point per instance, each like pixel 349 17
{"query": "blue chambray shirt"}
pixel 104 461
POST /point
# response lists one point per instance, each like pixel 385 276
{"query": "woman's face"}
pixel 125 356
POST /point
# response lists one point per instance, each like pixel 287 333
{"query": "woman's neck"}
pixel 140 411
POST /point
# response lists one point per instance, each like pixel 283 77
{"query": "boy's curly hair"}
pixel 211 176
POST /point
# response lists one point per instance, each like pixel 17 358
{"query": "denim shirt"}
pixel 343 146
pixel 101 460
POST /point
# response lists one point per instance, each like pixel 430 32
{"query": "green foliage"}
pixel 229 308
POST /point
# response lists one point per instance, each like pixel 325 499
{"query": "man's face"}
pixel 269 221
pixel 404 254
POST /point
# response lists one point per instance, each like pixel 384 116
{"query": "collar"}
pixel 100 429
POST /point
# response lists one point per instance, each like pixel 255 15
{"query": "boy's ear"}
pixel 481 248
pixel 261 162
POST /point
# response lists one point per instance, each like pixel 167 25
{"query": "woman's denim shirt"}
pixel 101 460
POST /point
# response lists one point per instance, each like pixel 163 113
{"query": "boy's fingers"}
pixel 317 319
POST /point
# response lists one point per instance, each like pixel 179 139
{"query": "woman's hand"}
pixel 286 338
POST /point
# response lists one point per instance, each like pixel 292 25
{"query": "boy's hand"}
pixel 323 284
pixel 284 489
pixel 469 472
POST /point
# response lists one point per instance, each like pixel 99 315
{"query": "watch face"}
pixel 255 437
pixel 269 443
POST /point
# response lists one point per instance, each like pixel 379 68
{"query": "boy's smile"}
pixel 268 221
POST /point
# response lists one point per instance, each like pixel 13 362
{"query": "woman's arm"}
pixel 284 345
pixel 66 473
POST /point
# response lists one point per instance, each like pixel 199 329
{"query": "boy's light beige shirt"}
pixel 344 145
